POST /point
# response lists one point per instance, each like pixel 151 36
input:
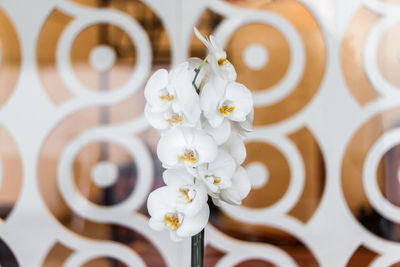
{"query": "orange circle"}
pixel 115 38
pixel 278 50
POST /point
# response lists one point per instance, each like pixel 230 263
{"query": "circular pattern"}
pixel 289 160
pixel 137 36
pixel 258 174
pixel 294 72
pixel 364 166
pixel 104 174
pixel 380 67
pixel 380 203
pixel 255 56
pixel 78 202
pixel 102 58
pixel 10 57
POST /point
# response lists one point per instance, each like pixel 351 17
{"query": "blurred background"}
pixel 323 159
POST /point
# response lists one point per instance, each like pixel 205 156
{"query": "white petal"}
pixel 205 147
pixel 157 82
pixel 216 46
pixel 178 177
pixel 156 119
pixel 209 99
pixel 217 120
pixel 171 144
pixel 198 202
pixel 212 189
pixel 159 202
pixel 186 95
pixel 242 101
pixel 240 187
pixel 247 125
pixel 175 74
pixel 228 72
pixel 241 182
pixel 188 135
pixel 223 166
pixel 211 96
pixel 230 196
pixel 193 225
pixel 235 146
pixel 220 133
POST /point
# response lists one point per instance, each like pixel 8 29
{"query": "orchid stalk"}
pixel 202 114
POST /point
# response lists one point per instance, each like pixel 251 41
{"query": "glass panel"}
pixel 78 159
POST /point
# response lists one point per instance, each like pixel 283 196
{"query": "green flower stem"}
pixel 198 240
pixel 197 71
pixel 202 63
pixel 198 249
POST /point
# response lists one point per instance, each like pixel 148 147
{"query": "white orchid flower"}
pixel 217 175
pixel 192 194
pixel 217 57
pixel 168 118
pixel 221 100
pixel 239 189
pixel 188 147
pixel 203 115
pixel 235 147
pixel 165 206
pixel 171 98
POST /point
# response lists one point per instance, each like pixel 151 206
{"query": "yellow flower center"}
pixel 185 193
pixel 225 109
pixel 188 157
pixel 215 180
pixel 172 221
pixel 167 98
pixel 174 120
pixel 222 61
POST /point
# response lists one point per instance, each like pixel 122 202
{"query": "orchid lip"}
pixel 213 179
pixel 222 61
pixel 167 97
pixel 173 220
pixel 188 157
pixel 226 109
pixel 214 184
pixel 187 194
pixel 176 119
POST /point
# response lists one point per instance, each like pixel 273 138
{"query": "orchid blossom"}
pixel 239 189
pixel 202 114
pixel 188 147
pixel 166 208
pixel 170 102
pixel 221 100
pixel 217 57
pixel 217 175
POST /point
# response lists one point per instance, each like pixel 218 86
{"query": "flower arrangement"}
pixel 203 114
